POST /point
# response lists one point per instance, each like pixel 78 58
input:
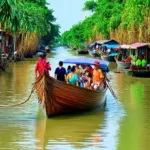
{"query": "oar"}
pixel 110 88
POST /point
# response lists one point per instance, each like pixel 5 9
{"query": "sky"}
pixel 68 12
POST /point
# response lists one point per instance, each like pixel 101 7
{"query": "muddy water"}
pixel 122 125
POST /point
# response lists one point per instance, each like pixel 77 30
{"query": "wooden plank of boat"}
pixel 58 98
pixel 124 65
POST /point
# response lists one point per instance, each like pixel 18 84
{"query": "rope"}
pixel 32 91
pixel 14 105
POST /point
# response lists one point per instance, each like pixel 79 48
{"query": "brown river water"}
pixel 124 124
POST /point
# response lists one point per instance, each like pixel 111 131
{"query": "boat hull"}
pixel 123 65
pixel 107 58
pixel 57 98
pixel 82 52
pixel 140 73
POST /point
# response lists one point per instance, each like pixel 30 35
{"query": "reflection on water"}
pixel 123 124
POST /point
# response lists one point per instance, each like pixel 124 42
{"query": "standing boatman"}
pixel 41 66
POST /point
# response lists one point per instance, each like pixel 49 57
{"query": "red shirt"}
pixel 42 65
pixel 91 71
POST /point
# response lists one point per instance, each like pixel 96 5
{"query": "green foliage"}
pixel 27 16
pixel 90 5
pixel 108 15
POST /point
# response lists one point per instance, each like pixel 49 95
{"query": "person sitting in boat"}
pixel 138 62
pixel 68 69
pixel 83 68
pixel 79 73
pixel 78 70
pixel 144 62
pixel 119 57
pixel 72 78
pixel 100 52
pixel 133 61
pixel 42 66
pixel 128 59
pixel 88 76
pixel 97 76
pixel 60 72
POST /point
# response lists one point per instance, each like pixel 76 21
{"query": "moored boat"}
pixel 82 52
pixel 140 71
pixel 108 57
pixel 58 98
pixel 122 64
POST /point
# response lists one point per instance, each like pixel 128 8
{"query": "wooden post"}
pixel 0 42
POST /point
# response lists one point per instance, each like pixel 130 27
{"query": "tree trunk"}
pixel 14 42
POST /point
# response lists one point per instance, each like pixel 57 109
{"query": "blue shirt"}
pixel 60 72
pixel 73 79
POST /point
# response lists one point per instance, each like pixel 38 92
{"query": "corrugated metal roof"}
pixel 138 45
pixel 102 41
pixel 125 46
pixel 111 46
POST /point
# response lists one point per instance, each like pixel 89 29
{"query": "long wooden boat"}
pixel 58 98
pixel 123 65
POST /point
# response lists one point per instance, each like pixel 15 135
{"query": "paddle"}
pixel 110 88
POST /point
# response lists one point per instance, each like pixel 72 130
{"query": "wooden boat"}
pixel 140 71
pixel 83 52
pixel 58 98
pixel 123 65
pixel 108 57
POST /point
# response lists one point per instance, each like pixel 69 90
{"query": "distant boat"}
pixel 82 52
pixel 123 65
pixel 140 72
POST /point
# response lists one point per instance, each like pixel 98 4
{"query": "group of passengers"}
pixel 135 61
pixel 80 75
pixel 139 62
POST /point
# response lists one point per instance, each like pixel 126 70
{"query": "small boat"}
pixel 109 57
pixel 123 65
pixel 82 52
pixel 140 72
pixel 57 98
